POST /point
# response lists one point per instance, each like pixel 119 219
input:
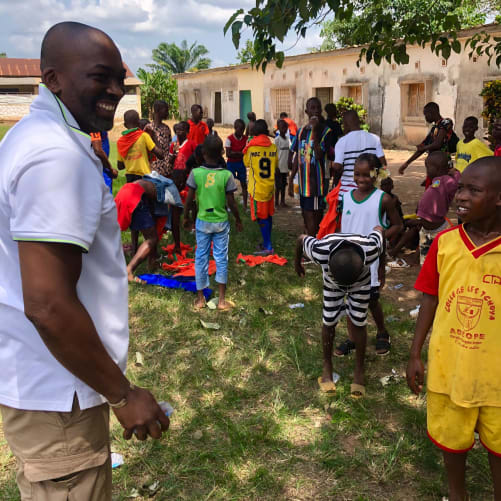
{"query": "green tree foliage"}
pixel 347 103
pixel 172 58
pixel 3 54
pixel 357 30
pixel 492 101
pixel 246 53
pixel 157 85
pixel 436 23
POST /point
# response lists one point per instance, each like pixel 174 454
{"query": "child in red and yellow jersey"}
pixel 461 285
pixel 260 157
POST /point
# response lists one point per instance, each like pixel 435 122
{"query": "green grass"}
pixel 249 423
pixel 3 130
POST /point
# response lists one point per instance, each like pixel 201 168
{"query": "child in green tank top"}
pixel 214 188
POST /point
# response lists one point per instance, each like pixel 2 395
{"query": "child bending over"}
pixel 214 187
pixel 363 208
pixel 460 281
pixel 345 260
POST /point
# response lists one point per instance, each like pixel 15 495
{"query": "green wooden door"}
pixel 245 104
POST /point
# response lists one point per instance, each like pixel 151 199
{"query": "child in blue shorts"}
pixel 235 144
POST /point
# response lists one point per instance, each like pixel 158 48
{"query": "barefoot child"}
pixel 234 145
pixel 260 157
pixel 345 260
pixel 460 281
pixel 363 208
pixel 139 209
pixel 283 144
pixel 214 187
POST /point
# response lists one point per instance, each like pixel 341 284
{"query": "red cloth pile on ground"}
pixel 182 265
pixel 170 251
pixel 257 260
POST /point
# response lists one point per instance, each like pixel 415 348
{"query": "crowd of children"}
pixel 459 276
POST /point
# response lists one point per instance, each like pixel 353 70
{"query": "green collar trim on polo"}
pixel 128 131
pixel 63 112
pixel 364 199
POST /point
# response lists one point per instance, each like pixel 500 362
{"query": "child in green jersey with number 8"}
pixel 214 187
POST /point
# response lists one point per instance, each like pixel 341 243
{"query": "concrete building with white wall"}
pixel 394 95
pixel 19 80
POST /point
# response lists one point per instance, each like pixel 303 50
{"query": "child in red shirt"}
pixel 198 129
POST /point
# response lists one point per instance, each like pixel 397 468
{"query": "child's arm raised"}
pixel 415 367
pixel 230 200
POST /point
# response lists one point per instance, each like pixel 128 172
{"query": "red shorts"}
pixel 262 210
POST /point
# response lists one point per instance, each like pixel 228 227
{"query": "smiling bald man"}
pixel 63 280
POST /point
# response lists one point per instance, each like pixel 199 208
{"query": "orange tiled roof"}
pixel 17 67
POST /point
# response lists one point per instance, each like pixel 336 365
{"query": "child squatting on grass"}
pixel 214 187
pixel 345 260
pixel 460 281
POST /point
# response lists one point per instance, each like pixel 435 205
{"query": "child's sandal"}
pixel 345 348
pixel 383 344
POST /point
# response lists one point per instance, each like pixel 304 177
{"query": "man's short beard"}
pixel 98 124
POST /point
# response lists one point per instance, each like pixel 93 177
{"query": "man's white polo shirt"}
pixel 52 190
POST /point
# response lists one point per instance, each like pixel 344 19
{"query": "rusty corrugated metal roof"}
pixel 17 67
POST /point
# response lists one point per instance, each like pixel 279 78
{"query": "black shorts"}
pixel 142 218
pixel 312 203
pixel 280 180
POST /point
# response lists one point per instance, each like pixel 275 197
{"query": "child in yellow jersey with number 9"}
pixel 461 285
pixel 261 158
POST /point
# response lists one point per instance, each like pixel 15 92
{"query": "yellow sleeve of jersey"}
pixel 247 159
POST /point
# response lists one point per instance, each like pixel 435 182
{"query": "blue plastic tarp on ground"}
pixel 171 283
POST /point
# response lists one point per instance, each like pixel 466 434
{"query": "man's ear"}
pixel 50 78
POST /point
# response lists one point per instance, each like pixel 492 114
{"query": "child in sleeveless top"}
pixel 363 208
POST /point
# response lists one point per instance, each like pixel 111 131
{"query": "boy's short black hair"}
pixel 472 119
pixel 239 121
pixel 260 127
pixel 282 122
pixel 330 106
pixel 432 106
pixel 183 124
pixel 346 263
pixel 212 148
pixel 158 104
pixel 131 117
pixel 251 115
pixel 386 181
pixel 311 99
pixel 283 115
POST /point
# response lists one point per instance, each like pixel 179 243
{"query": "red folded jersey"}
pixel 257 260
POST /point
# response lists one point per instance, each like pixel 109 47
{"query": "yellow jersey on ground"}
pixel 464 357
pixel 262 161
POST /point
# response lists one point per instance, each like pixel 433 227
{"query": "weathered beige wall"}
pixel 200 88
pixel 15 106
pixel 455 85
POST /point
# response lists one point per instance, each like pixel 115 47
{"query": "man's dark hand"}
pixel 415 374
pixel 142 415
pixel 291 187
